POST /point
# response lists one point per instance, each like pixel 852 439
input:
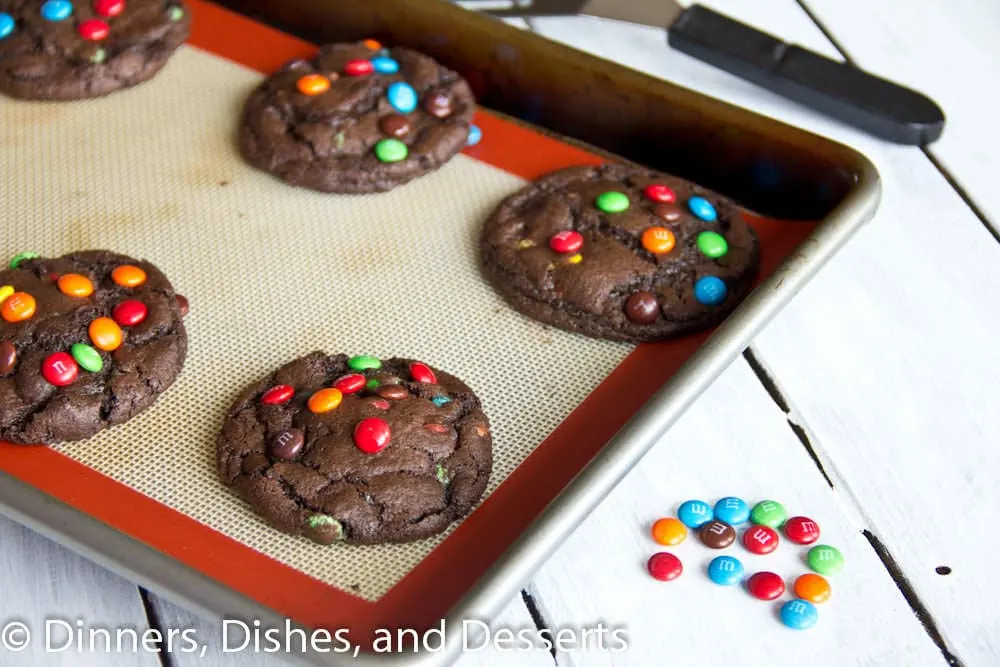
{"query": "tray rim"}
pixel 183 585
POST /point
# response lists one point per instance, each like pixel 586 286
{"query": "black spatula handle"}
pixel 837 89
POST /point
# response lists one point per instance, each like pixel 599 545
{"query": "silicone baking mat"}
pixel 273 272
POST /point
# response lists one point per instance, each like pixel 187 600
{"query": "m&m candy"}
pixel 391 150
pixel 825 559
pixel 612 202
pixel 73 284
pixel 56 10
pixel 475 135
pixel 712 244
pixel 372 44
pixel 440 400
pixel 393 392
pixel 130 313
pixel 766 586
pixel 372 435
pixel 642 307
pixel 109 7
pixel 658 240
pixel 799 614
pixel 710 291
pixel 717 534
pixel 18 307
pixel 669 532
pixel 105 334
pixel 288 444
pixel 358 68
pixel 8 357
pixel 313 84
pixel 364 362
pixel 725 570
pixel 402 97
pixel 350 384
pixel 660 193
pixel 422 373
pixel 5 291
pixel 60 369
pixel 385 65
pixel 733 511
pixel 128 276
pixel 93 30
pixel 325 400
pixel 694 513
pixel 566 241
pixel 379 404
pixel 768 513
pixel 278 395
pixel 22 257
pixel 87 357
pixel 7 24
pixel 175 13
pixel 702 208
pixel 812 587
pixel 760 540
pixel 801 530
pixel 664 566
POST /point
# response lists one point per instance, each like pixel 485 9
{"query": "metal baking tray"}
pixel 115 499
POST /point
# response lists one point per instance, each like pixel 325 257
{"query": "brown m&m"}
pixel 667 212
pixel 438 104
pixel 393 392
pixel 642 308
pixel 394 125
pixel 717 534
pixel 288 444
pixel 8 357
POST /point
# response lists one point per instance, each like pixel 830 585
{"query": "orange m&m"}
pixel 105 334
pixel 73 284
pixel 313 84
pixel 325 400
pixel 128 276
pixel 658 240
pixel 812 587
pixel 18 307
pixel 372 44
pixel 669 532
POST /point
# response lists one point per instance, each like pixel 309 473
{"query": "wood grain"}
pixel 42 581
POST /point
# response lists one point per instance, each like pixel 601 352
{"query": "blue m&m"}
pixel 402 97
pixel 725 570
pixel 733 511
pixel 6 24
pixel 385 65
pixel 694 513
pixel 475 135
pixel 702 208
pixel 799 614
pixel 57 10
pixel 710 291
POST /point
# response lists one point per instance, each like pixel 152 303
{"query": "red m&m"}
pixel 422 373
pixel 664 566
pixel 278 395
pixel 801 530
pixel 109 7
pixel 60 369
pixel 660 193
pixel 358 68
pixel 130 313
pixel 350 384
pixel 766 586
pixel 760 540
pixel 371 435
pixel 566 241
pixel 94 30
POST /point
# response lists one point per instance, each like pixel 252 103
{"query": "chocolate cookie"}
pixel 62 50
pixel 87 341
pixel 357 449
pixel 619 252
pixel 357 119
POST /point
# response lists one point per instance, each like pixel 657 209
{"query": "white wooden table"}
pixel 868 404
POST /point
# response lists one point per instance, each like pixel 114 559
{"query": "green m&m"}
pixel 391 150
pixel 712 244
pixel 22 257
pixel 825 559
pixel 768 513
pixel 87 357
pixel 364 362
pixel 612 202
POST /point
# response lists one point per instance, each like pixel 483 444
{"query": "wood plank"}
pixel 877 373
pixel 948 51
pixel 515 616
pixel 42 582
pixel 733 441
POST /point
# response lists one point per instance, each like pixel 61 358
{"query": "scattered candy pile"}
pixel 717 529
pixel 402 97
